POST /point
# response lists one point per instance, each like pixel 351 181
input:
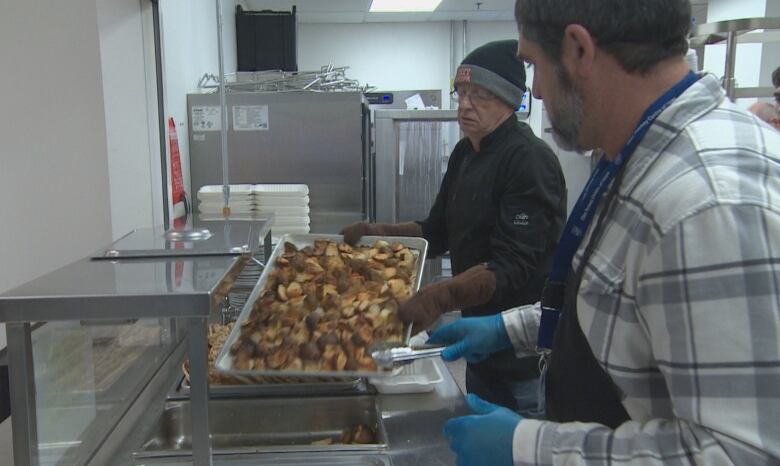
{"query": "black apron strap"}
pixel 577 387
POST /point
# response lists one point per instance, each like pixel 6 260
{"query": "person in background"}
pixel 661 319
pixel 499 212
pixel 766 112
pixel 776 84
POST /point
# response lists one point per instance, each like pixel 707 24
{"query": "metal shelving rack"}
pixel 734 32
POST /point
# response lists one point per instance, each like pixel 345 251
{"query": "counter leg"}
pixel 23 407
pixel 199 391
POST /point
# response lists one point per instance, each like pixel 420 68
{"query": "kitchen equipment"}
pixel 386 100
pixel 79 390
pixel 412 152
pixel 320 139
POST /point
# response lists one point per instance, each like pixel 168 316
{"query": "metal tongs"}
pixel 390 354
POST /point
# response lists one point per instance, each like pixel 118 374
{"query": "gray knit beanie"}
pixel 495 67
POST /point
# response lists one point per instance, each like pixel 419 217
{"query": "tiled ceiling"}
pixel 356 11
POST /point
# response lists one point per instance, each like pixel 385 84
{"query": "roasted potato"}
pixel 324 305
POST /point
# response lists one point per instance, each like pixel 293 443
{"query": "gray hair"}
pixel 765 111
pixel 639 34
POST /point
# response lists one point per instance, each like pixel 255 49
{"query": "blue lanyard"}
pixel 584 210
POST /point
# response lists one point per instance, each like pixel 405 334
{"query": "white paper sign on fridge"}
pixel 250 118
pixel 415 102
pixel 206 118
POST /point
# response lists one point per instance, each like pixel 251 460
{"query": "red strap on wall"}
pixel 176 179
pixel 177 185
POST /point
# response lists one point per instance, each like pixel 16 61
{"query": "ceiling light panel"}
pixel 383 6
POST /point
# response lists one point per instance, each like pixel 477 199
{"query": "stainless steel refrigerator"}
pixel 317 138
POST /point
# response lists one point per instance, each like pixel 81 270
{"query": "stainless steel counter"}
pixel 89 387
pixel 108 290
pixel 412 424
pixel 148 275
pixel 66 382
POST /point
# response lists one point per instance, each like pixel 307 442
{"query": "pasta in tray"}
pixel 324 305
pixel 217 335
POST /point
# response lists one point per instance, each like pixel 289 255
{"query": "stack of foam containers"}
pixel 211 200
pixel 289 204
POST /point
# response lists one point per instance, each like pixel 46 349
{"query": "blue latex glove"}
pixel 484 438
pixel 473 338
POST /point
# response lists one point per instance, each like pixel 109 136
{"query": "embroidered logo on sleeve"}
pixel 520 219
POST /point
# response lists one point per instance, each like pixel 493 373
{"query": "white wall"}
pixel 401 56
pixel 189 37
pixel 481 32
pixel 130 103
pixel 53 167
pixel 388 56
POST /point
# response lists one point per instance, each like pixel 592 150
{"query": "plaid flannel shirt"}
pixel 680 301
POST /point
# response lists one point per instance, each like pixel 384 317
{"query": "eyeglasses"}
pixel 473 96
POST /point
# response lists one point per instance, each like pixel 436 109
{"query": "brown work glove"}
pixel 473 287
pixel 354 232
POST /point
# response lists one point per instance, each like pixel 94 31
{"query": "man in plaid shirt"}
pixel 668 345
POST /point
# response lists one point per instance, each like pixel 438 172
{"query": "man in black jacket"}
pixel 499 212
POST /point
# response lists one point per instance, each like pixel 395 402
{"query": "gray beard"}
pixel 566 118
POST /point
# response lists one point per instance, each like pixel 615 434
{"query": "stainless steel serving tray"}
pixel 356 386
pixel 225 360
pixel 267 425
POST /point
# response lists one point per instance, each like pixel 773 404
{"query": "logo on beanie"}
pixel 464 74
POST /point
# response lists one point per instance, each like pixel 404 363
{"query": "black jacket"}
pixel 505 206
